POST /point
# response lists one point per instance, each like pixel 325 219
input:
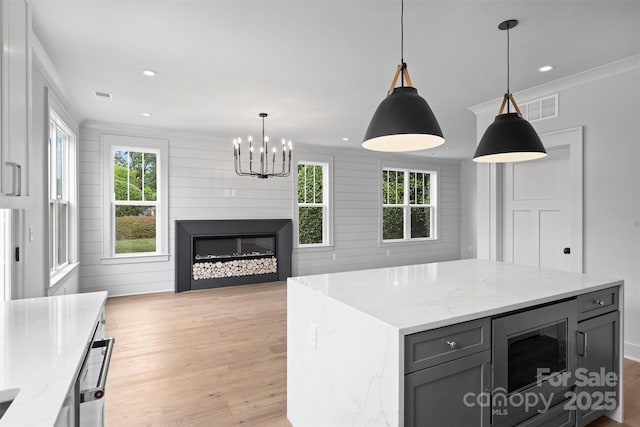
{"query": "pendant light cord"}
pixel 402 41
pixel 508 72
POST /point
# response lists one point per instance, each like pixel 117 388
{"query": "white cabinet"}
pixel 15 114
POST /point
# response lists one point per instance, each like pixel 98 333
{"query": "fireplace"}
pixel 216 253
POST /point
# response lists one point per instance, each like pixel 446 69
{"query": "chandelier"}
pixel 264 171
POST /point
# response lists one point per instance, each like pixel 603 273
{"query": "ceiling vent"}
pixel 541 108
pixel 103 96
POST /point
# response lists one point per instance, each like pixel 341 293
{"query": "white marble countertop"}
pixel 42 343
pixel 425 296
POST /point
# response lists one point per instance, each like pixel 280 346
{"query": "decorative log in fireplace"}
pixel 216 253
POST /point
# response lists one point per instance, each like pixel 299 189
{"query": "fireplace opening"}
pixel 234 248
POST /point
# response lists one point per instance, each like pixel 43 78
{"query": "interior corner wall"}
pixel 609 111
pixel 468 210
pixel 201 169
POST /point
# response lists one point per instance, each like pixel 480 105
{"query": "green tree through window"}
pixel 407 213
pixel 312 203
pixel 135 194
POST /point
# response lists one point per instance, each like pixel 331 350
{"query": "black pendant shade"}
pixel 510 138
pixel 403 122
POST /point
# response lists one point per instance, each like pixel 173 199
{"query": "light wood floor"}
pixel 218 358
pixel 203 358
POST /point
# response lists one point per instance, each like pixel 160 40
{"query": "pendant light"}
pixel 510 138
pixel 403 121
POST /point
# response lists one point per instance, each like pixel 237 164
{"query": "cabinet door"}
pixel 446 395
pixel 15 94
pixel 598 352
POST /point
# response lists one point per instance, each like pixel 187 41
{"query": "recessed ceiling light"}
pixel 147 114
pixel 345 139
pixel 149 73
pixel 545 68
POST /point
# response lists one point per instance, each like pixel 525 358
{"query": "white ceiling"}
pixel 318 67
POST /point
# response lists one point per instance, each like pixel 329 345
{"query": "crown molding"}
pixel 583 77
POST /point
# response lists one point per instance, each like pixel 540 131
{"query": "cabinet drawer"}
pixel 430 348
pixel 597 303
pixel 554 417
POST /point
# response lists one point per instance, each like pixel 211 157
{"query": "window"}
pixel 61 192
pixel 313 204
pixel 136 207
pixel 408 211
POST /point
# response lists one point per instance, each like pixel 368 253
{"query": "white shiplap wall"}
pixel 200 170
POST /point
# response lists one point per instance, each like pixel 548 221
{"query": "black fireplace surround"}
pixel 223 241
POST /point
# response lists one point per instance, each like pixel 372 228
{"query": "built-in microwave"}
pixel 534 357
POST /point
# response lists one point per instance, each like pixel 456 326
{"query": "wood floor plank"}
pixel 218 358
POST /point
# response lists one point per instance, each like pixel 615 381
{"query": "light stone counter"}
pixel 345 331
pixel 43 341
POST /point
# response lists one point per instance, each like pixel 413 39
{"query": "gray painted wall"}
pixel 201 168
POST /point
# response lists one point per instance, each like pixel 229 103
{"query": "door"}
pixel 542 206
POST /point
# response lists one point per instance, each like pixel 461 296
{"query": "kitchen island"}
pixel 356 340
pixel 44 342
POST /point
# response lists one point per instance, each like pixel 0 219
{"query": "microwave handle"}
pixel 582 344
pixel 98 392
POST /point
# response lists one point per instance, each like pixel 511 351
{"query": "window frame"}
pixel 406 205
pixel 160 147
pixel 327 195
pixel 57 125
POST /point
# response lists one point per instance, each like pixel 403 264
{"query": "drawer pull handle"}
pixel 452 345
pixel 599 302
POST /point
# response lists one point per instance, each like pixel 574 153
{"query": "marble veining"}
pixel 43 342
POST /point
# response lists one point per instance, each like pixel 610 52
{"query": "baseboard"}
pixel 632 351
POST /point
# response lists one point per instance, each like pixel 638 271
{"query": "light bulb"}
pixel 250 138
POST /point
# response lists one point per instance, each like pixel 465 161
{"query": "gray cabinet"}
pixel 445 395
pixel 598 351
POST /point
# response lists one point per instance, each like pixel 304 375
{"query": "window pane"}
pixel 419 184
pixel 59 149
pixel 51 235
pixel 150 184
pixel 135 229
pixel 420 222
pixel 120 175
pixel 310 225
pixel 62 212
pixel 317 179
pixel 135 176
pixel 309 181
pixel 301 187
pixel 392 223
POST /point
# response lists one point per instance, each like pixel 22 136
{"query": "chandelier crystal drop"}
pixel 264 171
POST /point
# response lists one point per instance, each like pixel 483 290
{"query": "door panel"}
pixel 523 252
